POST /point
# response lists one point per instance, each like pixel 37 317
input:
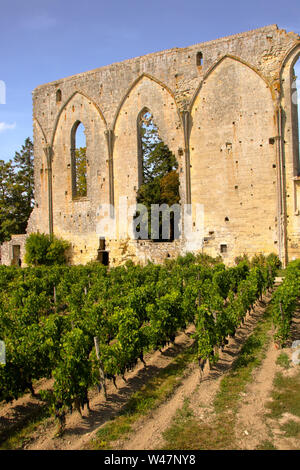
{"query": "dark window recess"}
pixel 102 243
pixel 226 219
pixel 199 59
pixel 16 255
pixel 223 248
pixel 58 96
pixel 103 255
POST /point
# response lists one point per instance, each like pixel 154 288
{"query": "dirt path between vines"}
pixel 147 433
pixel 14 415
pixel 253 426
pixel 79 430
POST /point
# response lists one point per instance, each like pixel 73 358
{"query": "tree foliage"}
pixel 16 192
pixel 81 185
pixel 160 183
pixel 49 317
pixel 41 249
pixel 284 303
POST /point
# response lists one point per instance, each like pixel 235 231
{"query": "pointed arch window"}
pixel 158 180
pixel 78 161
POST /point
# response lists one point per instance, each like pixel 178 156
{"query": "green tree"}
pixel 42 250
pixel 24 188
pixel 8 220
pixel 160 177
pixel 16 192
pixel 81 187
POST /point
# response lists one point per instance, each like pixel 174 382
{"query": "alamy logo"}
pixel 2 92
pixel 2 353
pixel 132 222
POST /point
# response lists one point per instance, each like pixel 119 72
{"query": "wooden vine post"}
pixel 216 347
pixel 281 311
pixel 101 370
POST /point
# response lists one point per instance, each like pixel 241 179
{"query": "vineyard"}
pixel 285 301
pixel 84 325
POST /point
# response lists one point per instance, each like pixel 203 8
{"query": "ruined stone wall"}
pixel 290 151
pixel 233 120
pixel 217 115
pixel 7 251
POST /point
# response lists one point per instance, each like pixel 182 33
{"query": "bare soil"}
pixel 147 433
pixel 16 414
pixel 252 428
pixel 253 425
pixel 79 430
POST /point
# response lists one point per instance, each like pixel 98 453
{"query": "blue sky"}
pixel 44 40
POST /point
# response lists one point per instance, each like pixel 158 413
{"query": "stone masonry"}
pixel 224 109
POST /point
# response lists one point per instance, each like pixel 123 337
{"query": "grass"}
pixel 283 360
pixel 266 445
pixel 151 395
pixel 112 431
pixel 188 433
pixel 285 396
pixel 18 437
pixel 181 435
pixel 291 429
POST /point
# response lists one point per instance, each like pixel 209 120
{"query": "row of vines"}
pixel 74 323
pixel 284 303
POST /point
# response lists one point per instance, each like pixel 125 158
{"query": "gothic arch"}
pixel 145 93
pixel 133 85
pixel 290 124
pixel 65 105
pixel 293 54
pixel 79 109
pixel 216 64
pixel 290 141
pixel 233 122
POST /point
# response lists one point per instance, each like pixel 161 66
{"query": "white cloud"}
pixel 4 126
